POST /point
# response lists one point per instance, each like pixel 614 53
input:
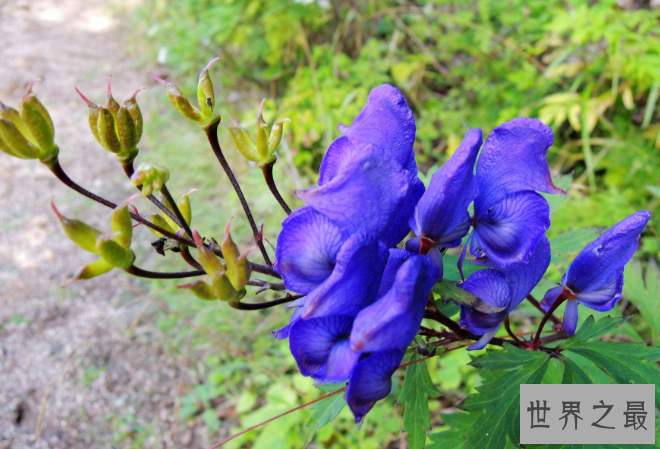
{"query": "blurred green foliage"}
pixel 589 69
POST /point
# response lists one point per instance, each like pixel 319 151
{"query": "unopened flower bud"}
pixel 201 289
pixel 159 221
pixel 205 95
pixel 150 177
pixel 38 121
pixel 80 233
pixel 89 271
pixel 242 141
pixel 240 274
pixel 122 224
pixel 114 253
pixel 110 103
pixel 127 135
pixel 12 115
pixel 184 206
pixel 106 130
pixel 223 288
pixel 180 102
pixel 132 106
pixel 92 116
pixel 276 135
pixel 14 142
pixel 207 258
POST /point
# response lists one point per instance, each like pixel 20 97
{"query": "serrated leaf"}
pixel 453 438
pixel 624 362
pixel 642 291
pixel 450 291
pixel 325 411
pixel 573 374
pixel 498 400
pixel 417 389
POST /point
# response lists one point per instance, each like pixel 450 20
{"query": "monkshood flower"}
pixel 510 218
pixel 502 288
pixel 368 178
pixel 441 218
pixel 338 271
pixel 595 277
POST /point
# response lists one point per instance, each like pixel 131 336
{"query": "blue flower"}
pixel 510 218
pixel 502 288
pixel 595 277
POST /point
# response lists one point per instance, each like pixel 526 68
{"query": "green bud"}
pixel 90 271
pixel 242 141
pixel 107 133
pixel 38 121
pixel 207 258
pixel 180 102
pixel 133 109
pixel 205 95
pixel 80 233
pixel 92 116
pixel 229 248
pixel 113 253
pixel 111 104
pixel 150 178
pixel 14 142
pixel 126 130
pixel 276 135
pixel 240 274
pixel 122 224
pixel 223 288
pixel 13 116
pixel 158 220
pixel 184 206
pixel 202 290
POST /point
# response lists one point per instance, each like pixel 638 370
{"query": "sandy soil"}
pixel 87 355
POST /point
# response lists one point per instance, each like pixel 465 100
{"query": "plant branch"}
pixel 264 305
pixel 538 305
pixel 270 181
pixel 565 294
pixel 175 208
pixel 507 326
pixel 212 135
pixel 139 272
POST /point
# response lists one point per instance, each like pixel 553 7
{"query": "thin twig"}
pixel 264 305
pixel 507 326
pixel 139 272
pixel 212 135
pixel 538 305
pixel 270 181
pixel 175 208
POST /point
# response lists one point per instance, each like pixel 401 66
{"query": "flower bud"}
pixel 111 104
pixel 150 178
pixel 242 141
pixel 92 116
pixel 205 95
pixel 14 143
pixel 13 116
pixel 159 221
pixel 207 258
pixel 240 274
pixel 106 130
pixel 132 106
pixel 127 135
pixel 80 233
pixel 90 271
pixel 38 121
pixel 276 135
pixel 113 253
pixel 201 289
pixel 180 102
pixel 184 206
pixel 122 224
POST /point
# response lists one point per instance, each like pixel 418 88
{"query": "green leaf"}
pixel 450 263
pixel 571 242
pixel 417 389
pixel 624 362
pixel 642 291
pixel 325 411
pixel 498 399
pixel 453 438
pixel 564 183
pixel 450 291
pixel 573 374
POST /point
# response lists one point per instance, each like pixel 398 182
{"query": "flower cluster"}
pixel 365 294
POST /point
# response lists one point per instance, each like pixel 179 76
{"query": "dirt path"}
pixel 103 386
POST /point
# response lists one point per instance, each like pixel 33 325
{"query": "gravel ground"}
pixel 88 356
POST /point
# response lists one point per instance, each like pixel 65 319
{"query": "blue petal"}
pixel 604 298
pixel 596 265
pixel 550 297
pixel 393 321
pixel 354 281
pixel 341 362
pixel 480 323
pixel 413 245
pixel 523 276
pixel 366 197
pixel 442 213
pixel 371 381
pixel 397 257
pixel 571 316
pixel 386 122
pixel 483 341
pixel 313 341
pixel 490 286
pixel 283 332
pixel 510 230
pixel 513 160
pixel 306 249
pixel 400 227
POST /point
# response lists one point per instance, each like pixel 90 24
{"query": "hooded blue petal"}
pixel 397 257
pixel 508 231
pixel 306 249
pixel 491 286
pixel 366 197
pixel 442 213
pixel 571 316
pixel 354 281
pixel 371 381
pixel 385 122
pixel 523 276
pixel 605 297
pixel 514 160
pixel 320 347
pixel 599 261
pixel 400 226
pixel 393 321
